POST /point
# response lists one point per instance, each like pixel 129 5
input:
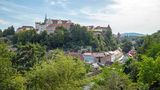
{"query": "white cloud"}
pixel 128 15
pixel 58 2
pixel 3 22
pixel 8 6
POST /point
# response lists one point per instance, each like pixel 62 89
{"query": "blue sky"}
pixel 140 16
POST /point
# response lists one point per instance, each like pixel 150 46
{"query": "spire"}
pixel 109 28
pixel 45 18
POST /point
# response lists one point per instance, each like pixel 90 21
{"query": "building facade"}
pixel 25 28
pixel 50 25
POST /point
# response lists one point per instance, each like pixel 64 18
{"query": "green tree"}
pixel 9 79
pixel 27 56
pixel 63 72
pixel 5 64
pixel 153 51
pixel 110 40
pixel 9 31
pixel 60 37
pixel 98 43
pixel 127 46
pixel 113 78
pixel 15 82
pixel 1 33
pixel 43 38
pixel 80 36
pixel 150 72
pixel 131 67
pixel 24 37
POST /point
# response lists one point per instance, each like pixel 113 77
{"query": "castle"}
pixel 50 25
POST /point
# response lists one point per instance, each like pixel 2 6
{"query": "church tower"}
pixel 45 20
pixel 109 28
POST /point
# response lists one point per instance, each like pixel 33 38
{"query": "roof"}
pixel 117 52
pixel 90 27
pixel 55 21
pixel 106 53
pixel 87 53
pixel 59 25
pixel 25 27
pixel 98 54
pixel 99 27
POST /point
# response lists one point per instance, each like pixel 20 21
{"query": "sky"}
pixel 141 16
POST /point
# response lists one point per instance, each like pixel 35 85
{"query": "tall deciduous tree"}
pixel 127 46
pixel 63 72
pixel 5 64
pixel 109 39
pixel 9 31
pixel 23 37
pixel 27 56
pixel 9 80
pixel 150 72
pixel 1 33
pixel 80 35
pixel 113 78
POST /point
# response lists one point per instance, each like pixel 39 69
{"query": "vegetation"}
pixel 9 31
pixel 27 61
pixel 73 39
pixel 63 72
pixel 60 72
pixel 110 41
pixel 27 56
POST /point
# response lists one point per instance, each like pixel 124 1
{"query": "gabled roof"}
pixel 98 54
pixel 59 25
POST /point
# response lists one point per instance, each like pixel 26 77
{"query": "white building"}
pixel 25 28
pixel 50 25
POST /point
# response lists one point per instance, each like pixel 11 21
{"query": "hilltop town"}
pixel 80 45
pixel 84 53
pixel 93 51
pixel 50 25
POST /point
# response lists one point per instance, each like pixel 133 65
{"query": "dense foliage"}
pixel 27 61
pixel 60 72
pixel 27 56
pixel 74 39
pixel 63 72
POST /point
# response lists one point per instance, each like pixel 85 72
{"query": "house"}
pixel 109 57
pixel 88 57
pixel 50 25
pixel 103 58
pixel 90 27
pixel 118 54
pixel 99 57
pixel 25 28
pixel 131 53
